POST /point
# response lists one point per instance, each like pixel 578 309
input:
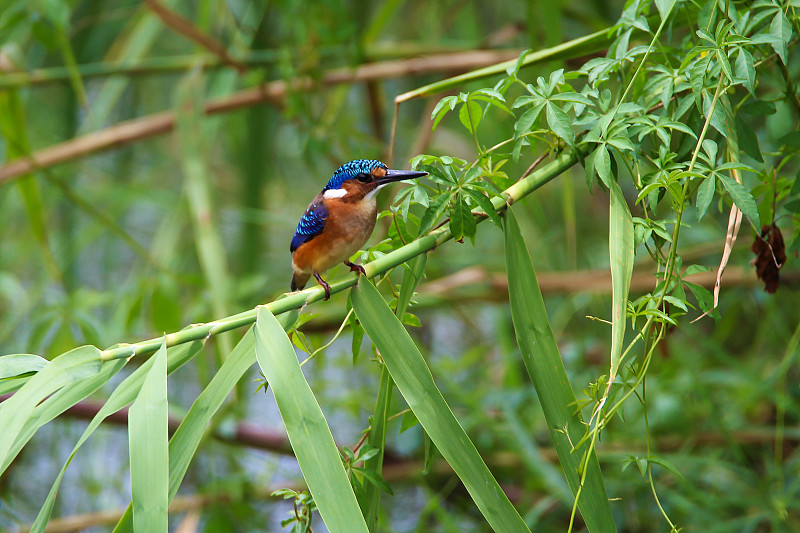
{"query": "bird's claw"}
pixel 355 267
pixel 325 286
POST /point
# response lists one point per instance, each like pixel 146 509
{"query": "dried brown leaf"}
pixel 770 256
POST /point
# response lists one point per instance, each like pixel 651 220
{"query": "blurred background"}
pixel 178 142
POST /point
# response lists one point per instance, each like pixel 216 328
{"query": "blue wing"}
pixel 311 224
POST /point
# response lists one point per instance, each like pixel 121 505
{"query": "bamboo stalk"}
pixel 274 92
pixel 168 64
pixel 580 46
pixel 184 26
pixel 587 44
pixel 378 266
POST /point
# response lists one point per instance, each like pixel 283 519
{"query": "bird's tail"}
pixel 299 281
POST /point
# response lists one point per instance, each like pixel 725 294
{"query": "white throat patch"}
pixel 371 194
pixel 335 193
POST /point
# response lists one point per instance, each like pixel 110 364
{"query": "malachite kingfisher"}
pixel 340 219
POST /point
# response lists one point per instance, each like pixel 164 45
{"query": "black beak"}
pixel 399 175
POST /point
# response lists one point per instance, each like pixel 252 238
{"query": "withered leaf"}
pixel 770 256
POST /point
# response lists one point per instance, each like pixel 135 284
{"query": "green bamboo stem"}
pixel 379 266
pixel 582 45
pixel 587 44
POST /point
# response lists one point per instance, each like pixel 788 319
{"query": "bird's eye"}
pixel 363 177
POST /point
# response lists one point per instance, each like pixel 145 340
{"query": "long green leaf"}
pixel 148 440
pixel 63 370
pixel 308 431
pixel 412 275
pixel 124 394
pixel 20 363
pixel 8 385
pixel 620 250
pixel 187 437
pixel 543 362
pixel 184 443
pixel 63 399
pixel 415 383
pixel 377 439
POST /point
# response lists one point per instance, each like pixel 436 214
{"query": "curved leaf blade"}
pixel 621 253
pixel 17 364
pixel 415 382
pixel 124 394
pixel 742 198
pixel 149 450
pixel 307 428
pixel 16 411
pixel 543 361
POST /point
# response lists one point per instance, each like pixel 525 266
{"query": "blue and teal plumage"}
pixel 350 170
pixel 313 220
pixel 311 224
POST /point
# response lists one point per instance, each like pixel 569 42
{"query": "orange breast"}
pixel 348 227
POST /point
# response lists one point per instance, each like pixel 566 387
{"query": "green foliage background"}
pixel 171 147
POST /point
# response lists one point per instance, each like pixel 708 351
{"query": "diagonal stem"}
pixel 377 267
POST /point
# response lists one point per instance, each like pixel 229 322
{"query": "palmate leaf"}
pixel 664 7
pixel 705 193
pixel 448 103
pixel 602 164
pixel 485 204
pixel 462 222
pixel 559 122
pixel 780 33
pixel 527 119
pixel 745 70
pixel 470 115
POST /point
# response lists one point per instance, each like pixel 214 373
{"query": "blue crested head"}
pixel 350 170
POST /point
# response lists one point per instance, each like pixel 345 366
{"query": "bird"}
pixel 340 219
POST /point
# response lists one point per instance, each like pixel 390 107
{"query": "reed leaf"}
pixel 17 364
pixel 149 449
pixel 621 252
pixel 543 361
pixel 412 275
pixel 308 431
pixel 415 382
pixel 62 400
pixel 124 394
pixel 15 412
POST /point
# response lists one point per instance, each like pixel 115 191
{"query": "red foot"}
pixel 355 267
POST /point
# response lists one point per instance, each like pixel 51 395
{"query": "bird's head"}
pixel 362 178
